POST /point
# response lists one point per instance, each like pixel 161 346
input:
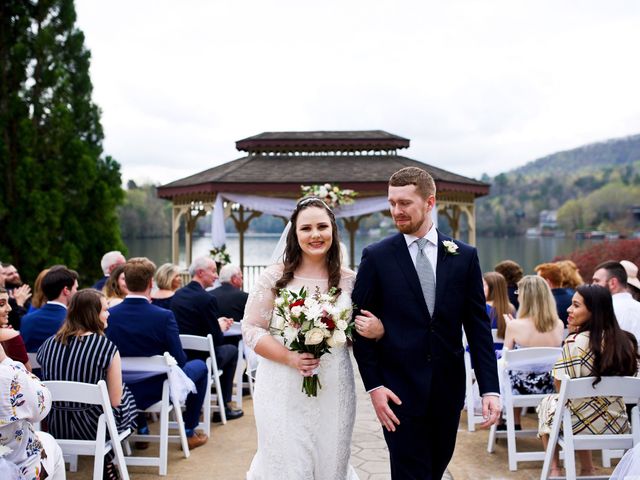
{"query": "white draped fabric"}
pixel 283 207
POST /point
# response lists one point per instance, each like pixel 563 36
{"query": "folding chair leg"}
pixel 491 443
pixel 177 412
pixel 164 433
pixel 73 463
pixel 98 457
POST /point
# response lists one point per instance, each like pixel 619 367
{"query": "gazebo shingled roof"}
pixel 278 163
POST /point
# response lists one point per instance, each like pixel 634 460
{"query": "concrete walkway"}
pixel 231 447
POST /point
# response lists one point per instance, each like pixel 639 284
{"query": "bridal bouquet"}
pixel 312 324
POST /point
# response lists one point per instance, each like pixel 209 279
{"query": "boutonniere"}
pixel 450 247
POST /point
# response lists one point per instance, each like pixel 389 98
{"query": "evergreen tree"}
pixel 59 193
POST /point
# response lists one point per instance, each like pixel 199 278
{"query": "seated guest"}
pixel 9 338
pixel 110 260
pixel 571 278
pixel 633 284
pixel 230 296
pixel 140 329
pixel 552 273
pixel 38 299
pixel 58 285
pixel 80 352
pixel 168 280
pixel 197 313
pixel 19 293
pixel 33 453
pixel 512 273
pixel 115 288
pixel 537 325
pixel 597 347
pixel 495 291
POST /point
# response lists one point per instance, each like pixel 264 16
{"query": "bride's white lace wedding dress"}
pixel 299 437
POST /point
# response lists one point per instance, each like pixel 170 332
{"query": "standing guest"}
pixel 38 299
pixel 633 284
pixel 168 280
pixel 24 400
pixel 80 352
pixel 110 260
pixel 11 339
pixel 512 273
pixel 597 347
pixel 537 325
pixel 571 278
pixel 58 285
pixel 552 273
pixel 140 329
pixel 19 293
pixel 498 305
pixel 613 276
pixel 197 313
pixel 115 288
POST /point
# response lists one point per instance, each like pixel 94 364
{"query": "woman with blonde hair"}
pixel 537 325
pixel 167 280
pixel 498 305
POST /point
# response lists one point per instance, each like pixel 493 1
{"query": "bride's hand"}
pixel 369 326
pixel 305 363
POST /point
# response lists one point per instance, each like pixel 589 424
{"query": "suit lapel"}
pixel 403 258
pixel 442 269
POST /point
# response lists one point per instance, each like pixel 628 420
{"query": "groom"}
pixel 424 288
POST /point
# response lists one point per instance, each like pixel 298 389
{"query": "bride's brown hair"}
pixel 293 252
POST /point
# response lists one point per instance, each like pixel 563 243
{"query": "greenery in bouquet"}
pixel 312 324
pixel 220 255
pixel 332 195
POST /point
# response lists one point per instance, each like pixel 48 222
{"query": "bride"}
pixel 301 437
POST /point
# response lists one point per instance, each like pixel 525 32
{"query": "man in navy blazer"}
pixel 415 373
pixel 140 329
pixel 58 285
pixel 197 313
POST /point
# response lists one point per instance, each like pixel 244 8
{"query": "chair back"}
pixel 79 392
pixel 628 387
pixel 33 360
pixel 540 359
pixel 157 363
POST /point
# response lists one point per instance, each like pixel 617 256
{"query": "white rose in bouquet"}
pixel 313 336
pixel 339 338
pixel 342 325
pixel 279 301
pixel 296 311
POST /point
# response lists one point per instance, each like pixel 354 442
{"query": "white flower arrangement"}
pixel 330 194
pixel 451 247
pixel 220 255
pixel 312 324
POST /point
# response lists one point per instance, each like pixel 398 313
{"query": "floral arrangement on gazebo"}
pixel 332 195
pixel 220 255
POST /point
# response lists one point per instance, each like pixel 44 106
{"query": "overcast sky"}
pixel 478 86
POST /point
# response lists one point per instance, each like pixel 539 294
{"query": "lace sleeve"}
pixel 259 308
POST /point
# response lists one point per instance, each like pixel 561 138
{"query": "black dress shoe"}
pixel 231 414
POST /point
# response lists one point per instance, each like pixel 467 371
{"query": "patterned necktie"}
pixel 426 275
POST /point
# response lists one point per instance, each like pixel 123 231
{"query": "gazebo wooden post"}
pixel 351 224
pixel 177 212
pixel 242 225
pixel 469 210
pixel 190 227
pixel 452 212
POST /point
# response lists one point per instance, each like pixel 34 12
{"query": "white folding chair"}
pixel 575 388
pixel 470 378
pixel 205 344
pixel 169 402
pixel 33 360
pixel 93 395
pixel 201 344
pixel 539 359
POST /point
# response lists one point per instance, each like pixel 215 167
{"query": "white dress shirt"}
pixel 627 312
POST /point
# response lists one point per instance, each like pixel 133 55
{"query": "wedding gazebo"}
pixel 269 177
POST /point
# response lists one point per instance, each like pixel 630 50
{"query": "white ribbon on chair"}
pixel 180 385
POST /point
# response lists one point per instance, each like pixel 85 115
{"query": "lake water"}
pixel 528 252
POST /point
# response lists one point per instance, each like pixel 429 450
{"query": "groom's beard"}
pixel 410 227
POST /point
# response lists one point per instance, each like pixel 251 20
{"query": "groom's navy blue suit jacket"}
pixel 421 356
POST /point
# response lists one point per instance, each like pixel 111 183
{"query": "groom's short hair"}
pixel 425 186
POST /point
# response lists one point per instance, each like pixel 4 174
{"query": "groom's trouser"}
pixel 421 446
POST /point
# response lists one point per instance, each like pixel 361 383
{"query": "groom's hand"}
pixel 491 410
pixel 380 399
